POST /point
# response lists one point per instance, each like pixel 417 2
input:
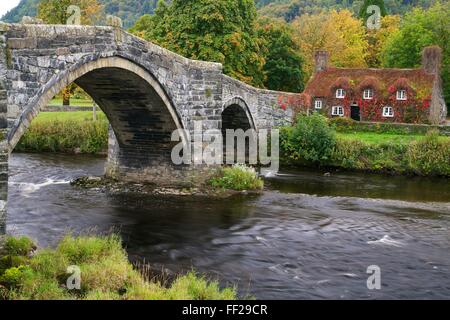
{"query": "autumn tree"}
pixel 283 62
pixel 338 32
pixel 378 38
pixel 421 28
pixel 221 31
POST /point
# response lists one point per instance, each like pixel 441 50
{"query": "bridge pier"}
pixel 151 165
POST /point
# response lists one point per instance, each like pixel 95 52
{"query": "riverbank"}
pixel 316 142
pixel 335 144
pixel 91 268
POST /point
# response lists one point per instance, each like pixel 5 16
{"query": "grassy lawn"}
pixel 378 138
pixel 73 102
pixel 65 116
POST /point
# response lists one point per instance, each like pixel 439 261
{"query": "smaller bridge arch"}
pixel 236 115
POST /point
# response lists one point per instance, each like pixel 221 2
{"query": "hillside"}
pixel 290 9
pixel 131 10
pixel 128 10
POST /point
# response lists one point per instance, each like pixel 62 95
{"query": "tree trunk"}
pixel 66 97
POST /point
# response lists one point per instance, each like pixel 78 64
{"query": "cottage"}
pixel 395 95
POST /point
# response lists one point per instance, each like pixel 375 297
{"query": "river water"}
pixel 307 236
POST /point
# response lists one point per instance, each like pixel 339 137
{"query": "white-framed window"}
pixel 388 112
pixel 340 93
pixel 318 103
pixel 337 111
pixel 368 94
pixel 401 95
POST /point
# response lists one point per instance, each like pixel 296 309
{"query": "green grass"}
pixel 66 132
pixel 73 102
pixel 106 274
pixel 68 116
pixel 380 138
pixel 237 177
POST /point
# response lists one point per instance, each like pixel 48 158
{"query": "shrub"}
pixel 18 246
pixel 192 287
pixel 90 248
pixel 312 139
pixel 430 156
pixel 50 264
pixel 237 177
pixel 112 273
pixel 355 154
pixel 15 276
pixel 7 262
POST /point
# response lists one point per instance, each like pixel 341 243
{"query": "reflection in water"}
pixel 308 236
pixel 377 186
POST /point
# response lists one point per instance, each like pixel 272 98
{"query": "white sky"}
pixel 6 5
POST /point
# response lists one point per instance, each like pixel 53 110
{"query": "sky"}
pixel 6 5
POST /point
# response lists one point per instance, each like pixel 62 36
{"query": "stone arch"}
pixel 236 115
pixel 79 72
pixel 141 114
pixel 236 112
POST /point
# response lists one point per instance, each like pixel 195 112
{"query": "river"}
pixel 308 236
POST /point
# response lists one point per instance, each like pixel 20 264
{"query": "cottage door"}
pixel 355 112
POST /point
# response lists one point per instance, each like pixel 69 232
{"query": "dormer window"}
pixel 340 93
pixel 318 104
pixel 368 94
pixel 401 95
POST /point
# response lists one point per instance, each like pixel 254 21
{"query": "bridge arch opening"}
pixel 236 115
pixel 141 116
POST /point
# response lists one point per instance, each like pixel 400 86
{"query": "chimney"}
pixel 321 58
pixel 431 59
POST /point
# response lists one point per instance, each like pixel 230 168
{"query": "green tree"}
pixel 213 30
pixel 283 67
pixel 421 28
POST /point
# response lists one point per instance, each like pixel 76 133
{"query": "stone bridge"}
pixel 145 91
